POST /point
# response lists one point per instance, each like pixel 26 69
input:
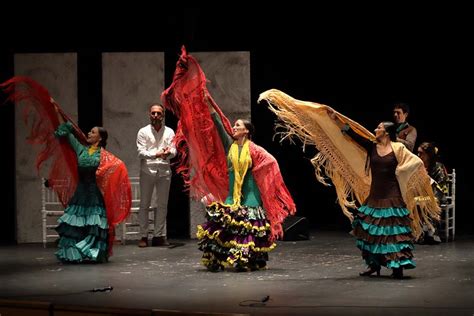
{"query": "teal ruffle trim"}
pixel 70 254
pixel 373 260
pixel 92 248
pixel 81 221
pixel 83 238
pixel 80 216
pixel 79 233
pixel 405 264
pixel 383 248
pixel 384 212
pixel 382 230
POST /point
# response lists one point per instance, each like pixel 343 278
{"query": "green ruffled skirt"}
pixel 83 229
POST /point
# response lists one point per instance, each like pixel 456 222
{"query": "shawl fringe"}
pixel 277 200
pixel 201 158
pixel 416 191
pixel 40 119
pixel 310 123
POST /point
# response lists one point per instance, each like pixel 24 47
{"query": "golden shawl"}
pixel 343 160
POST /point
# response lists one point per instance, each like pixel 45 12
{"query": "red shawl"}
pixel 201 157
pixel 41 121
pixel 113 182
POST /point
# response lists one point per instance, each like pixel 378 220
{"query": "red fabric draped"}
pixel 202 159
pixel 41 121
pixel 113 182
pixel 201 156
pixel 277 200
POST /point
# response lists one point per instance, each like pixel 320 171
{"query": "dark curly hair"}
pixel 103 135
pixel 403 106
pixel 431 151
pixel 248 125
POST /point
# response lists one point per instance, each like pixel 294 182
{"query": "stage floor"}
pixel 314 277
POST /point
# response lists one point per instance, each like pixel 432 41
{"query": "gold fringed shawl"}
pixel 416 189
pixel 343 160
pixel 339 158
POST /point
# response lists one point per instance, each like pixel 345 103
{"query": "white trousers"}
pixel 149 182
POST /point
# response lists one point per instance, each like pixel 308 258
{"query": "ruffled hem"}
pixel 79 233
pixel 384 212
pixel 385 221
pixel 384 248
pixel 255 244
pixel 237 260
pixel 405 264
pixel 391 260
pixel 243 220
pixel 85 210
pixel 238 237
pixel 89 249
pixel 88 243
pixel 99 220
pixel 381 230
pixel 360 233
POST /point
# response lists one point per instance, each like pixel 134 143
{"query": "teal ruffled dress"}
pixel 83 229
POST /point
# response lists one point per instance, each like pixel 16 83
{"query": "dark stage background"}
pixel 358 63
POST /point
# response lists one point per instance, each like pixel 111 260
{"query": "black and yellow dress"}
pixel 237 231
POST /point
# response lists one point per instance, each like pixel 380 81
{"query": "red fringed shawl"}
pixel 201 157
pixel 41 121
pixel 114 183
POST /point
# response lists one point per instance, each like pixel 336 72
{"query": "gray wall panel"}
pixel 131 82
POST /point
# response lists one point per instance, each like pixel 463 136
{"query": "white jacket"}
pixel 149 143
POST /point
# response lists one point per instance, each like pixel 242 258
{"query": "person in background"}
pixel 406 133
pixel 155 149
pixel 428 152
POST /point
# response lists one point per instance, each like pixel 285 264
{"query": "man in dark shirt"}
pixel 406 133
